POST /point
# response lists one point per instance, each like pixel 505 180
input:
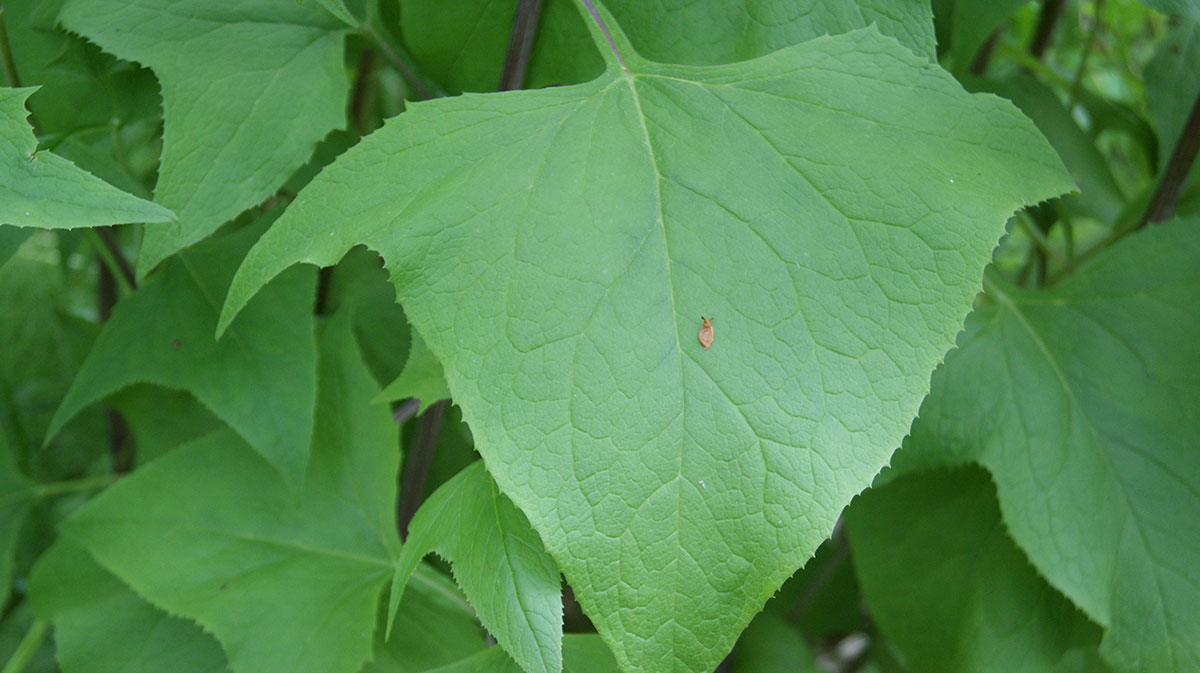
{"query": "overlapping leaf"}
pixel 947 585
pixel 832 204
pixel 434 627
pixel 40 189
pixel 260 378
pixel 285 579
pixel 497 560
pixel 422 378
pixel 249 87
pixel 1083 401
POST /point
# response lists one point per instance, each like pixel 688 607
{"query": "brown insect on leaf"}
pixel 706 333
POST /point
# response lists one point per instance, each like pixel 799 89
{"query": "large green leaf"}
pixel 497 560
pixel 260 378
pixel 40 189
pixel 947 585
pixel 248 86
pixel 832 204
pixel 1083 401
pixel 101 626
pixel 285 579
pixel 462 43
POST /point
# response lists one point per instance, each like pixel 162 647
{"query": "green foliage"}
pixel 198 471
pixel 1080 400
pixel 230 70
pixel 210 531
pixel 260 378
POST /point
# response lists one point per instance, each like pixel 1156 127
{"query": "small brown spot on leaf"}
pixel 706 332
pixel 176 344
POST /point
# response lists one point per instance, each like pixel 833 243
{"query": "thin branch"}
pixel 1162 205
pixel 397 62
pixel 1088 45
pixel 983 57
pixel 520 45
pixel 1047 21
pixel 29 645
pixel 418 462
pixel 10 67
pixel 114 260
pixel 1039 239
pixel 362 98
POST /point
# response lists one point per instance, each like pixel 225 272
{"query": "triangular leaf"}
pixel 832 204
pixel 498 561
pixel 947 585
pixel 1083 401
pixel 260 378
pixel 40 189
pixel 101 626
pixel 231 72
pixel 286 580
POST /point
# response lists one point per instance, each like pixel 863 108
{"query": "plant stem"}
pixel 520 45
pixel 1088 45
pixel 27 647
pixel 10 67
pixel 418 462
pixel 983 57
pixel 75 485
pixel 1177 170
pixel 1047 21
pixel 1039 239
pixel 114 262
pixel 397 62
pixel 362 99
pixel 1032 64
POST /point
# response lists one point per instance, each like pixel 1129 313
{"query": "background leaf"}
pixel 948 586
pixel 499 562
pixel 422 378
pixel 101 626
pixel 260 378
pixel 1082 402
pixel 284 579
pixel 581 654
pixel 231 70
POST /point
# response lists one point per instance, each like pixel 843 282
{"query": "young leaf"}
pixel 832 204
pixel 422 377
pixel 948 586
pixel 498 561
pixel 1082 402
pixel 249 87
pixel 101 626
pixel 260 378
pixel 40 189
pixel 286 580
